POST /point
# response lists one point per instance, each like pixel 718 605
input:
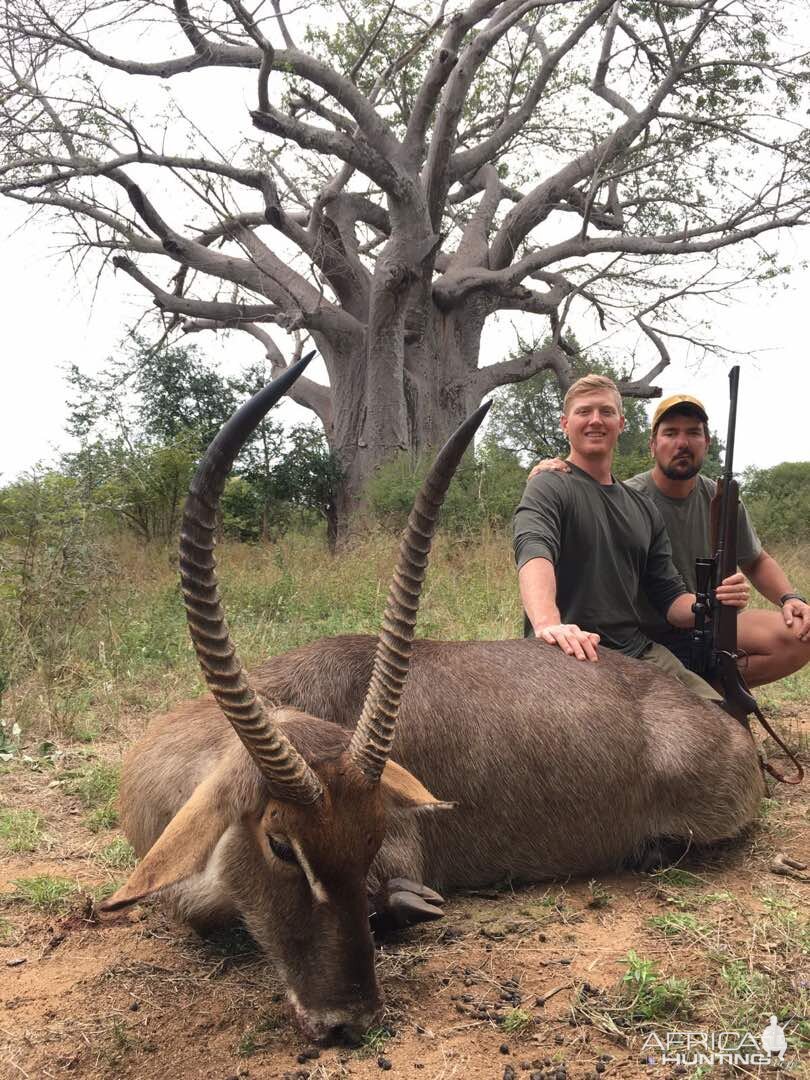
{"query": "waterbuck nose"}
pixel 349 1034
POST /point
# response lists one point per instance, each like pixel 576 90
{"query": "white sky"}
pixel 52 320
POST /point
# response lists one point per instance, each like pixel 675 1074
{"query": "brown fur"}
pixel 556 767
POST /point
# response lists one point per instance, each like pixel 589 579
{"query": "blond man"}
pixel 585 546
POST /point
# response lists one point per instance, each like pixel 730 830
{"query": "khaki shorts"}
pixel 668 662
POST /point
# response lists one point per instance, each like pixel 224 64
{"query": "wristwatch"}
pixel 790 596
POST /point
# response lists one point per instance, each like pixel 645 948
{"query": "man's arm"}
pixel 538 592
pixel 768 578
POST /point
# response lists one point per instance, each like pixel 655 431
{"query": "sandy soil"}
pixel 134 996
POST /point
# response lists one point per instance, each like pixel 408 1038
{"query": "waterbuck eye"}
pixel 281 849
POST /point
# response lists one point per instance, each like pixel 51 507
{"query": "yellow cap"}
pixel 673 402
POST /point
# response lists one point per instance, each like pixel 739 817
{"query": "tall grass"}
pixel 130 654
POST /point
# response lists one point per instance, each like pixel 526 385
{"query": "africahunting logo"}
pixel 739 1048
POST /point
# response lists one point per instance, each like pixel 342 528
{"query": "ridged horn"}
pixel 372 738
pixel 289 775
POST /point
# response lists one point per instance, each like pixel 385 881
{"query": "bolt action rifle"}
pixel 714 638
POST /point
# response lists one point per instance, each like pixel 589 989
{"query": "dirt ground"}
pixel 508 985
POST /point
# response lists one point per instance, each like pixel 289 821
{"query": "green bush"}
pixel 53 568
pixel 778 500
pixel 485 490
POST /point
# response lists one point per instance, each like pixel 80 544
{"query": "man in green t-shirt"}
pixel 585 545
pixel 774 644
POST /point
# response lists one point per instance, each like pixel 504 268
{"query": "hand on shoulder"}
pixel 549 465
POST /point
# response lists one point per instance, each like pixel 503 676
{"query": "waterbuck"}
pixel 500 759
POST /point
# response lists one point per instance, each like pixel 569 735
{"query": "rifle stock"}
pixel 724 617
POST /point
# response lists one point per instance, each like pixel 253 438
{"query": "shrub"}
pixel 778 500
pixel 53 567
pixel 485 490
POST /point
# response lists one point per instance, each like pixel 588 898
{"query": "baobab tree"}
pixel 383 177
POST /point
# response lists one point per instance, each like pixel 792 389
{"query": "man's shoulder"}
pixel 705 486
pixel 640 490
pixel 641 482
pixel 552 480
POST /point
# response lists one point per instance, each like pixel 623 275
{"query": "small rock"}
pixel 384 1063
pixel 504 1048
pixel 559 1038
pixel 679 1070
pixel 536 1075
pixel 600 1066
pixel 469 982
pixel 313 1053
pixel 134 1005
pixel 16 961
pixel 525 1065
pixel 302 1059
pixel 509 1073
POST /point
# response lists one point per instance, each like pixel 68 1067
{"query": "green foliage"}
pixel 485 489
pixel 96 785
pixel 20 830
pixel 143 424
pixel 44 892
pixel 53 569
pixel 137 482
pixel 516 1021
pixel 97 788
pixel 677 924
pixel 117 855
pixel 778 500
pixel 651 997
pixel 161 392
pixel 600 897
pixel 373 1042
pixel 105 817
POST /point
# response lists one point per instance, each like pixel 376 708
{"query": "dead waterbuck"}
pixel 555 767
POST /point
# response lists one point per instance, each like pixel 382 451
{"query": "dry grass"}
pixel 131 655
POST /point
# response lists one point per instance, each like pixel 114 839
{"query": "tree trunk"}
pixel 409 396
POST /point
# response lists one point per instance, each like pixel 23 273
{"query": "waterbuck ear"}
pixel 182 849
pixel 402 791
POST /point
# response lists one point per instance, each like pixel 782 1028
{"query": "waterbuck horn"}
pixel 289 775
pixel 372 738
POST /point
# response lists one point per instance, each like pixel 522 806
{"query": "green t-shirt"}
pixel 688 524
pixel 605 542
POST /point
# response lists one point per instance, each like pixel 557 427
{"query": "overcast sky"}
pixel 53 319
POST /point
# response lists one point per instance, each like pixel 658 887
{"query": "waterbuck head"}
pixel 285 825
